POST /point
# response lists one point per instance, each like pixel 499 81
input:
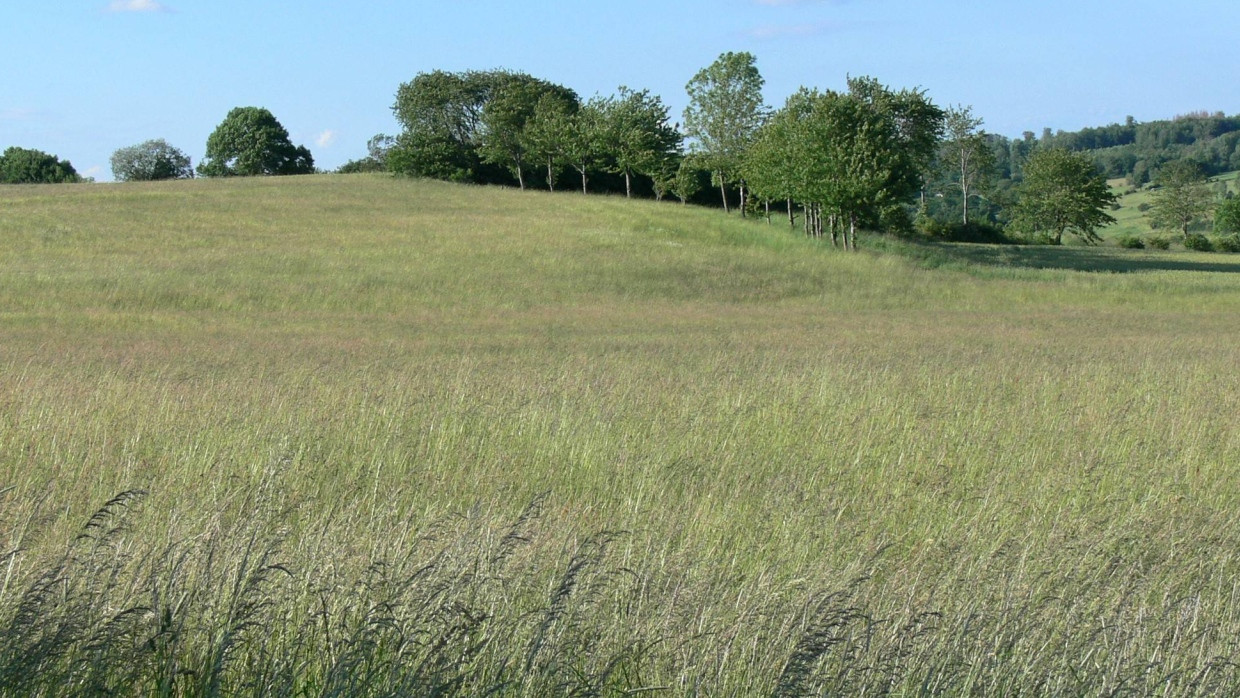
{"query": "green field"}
pixel 408 438
pixel 1131 220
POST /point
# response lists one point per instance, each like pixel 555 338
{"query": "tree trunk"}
pixel 792 217
pixel 964 184
pixel 768 211
pixel 723 189
pixel 583 182
pixel 852 229
pixel 520 176
pixel 742 198
pixel 550 176
pixel 628 186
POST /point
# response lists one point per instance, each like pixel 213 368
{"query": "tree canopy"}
pixel 724 114
pixel 1063 192
pixel 966 153
pixel 250 141
pixel 849 156
pixel 1183 196
pixel 638 137
pixel 28 166
pixel 513 103
pixel 149 161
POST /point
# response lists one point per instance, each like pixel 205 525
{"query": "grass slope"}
pixel 1131 220
pixel 402 436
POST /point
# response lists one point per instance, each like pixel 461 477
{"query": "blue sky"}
pixel 82 78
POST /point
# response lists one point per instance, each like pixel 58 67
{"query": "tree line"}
pixel 867 156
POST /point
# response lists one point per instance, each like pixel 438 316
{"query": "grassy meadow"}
pixel 1130 220
pixel 356 435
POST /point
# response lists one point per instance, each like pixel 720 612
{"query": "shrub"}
pixel 1131 242
pixel 1228 243
pixel 1143 206
pixel 1198 243
pixel 974 231
pixel 1158 242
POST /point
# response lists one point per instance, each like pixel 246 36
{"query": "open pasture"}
pixel 400 436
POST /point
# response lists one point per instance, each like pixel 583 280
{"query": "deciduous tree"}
pixel 584 140
pixel 548 134
pixel 1227 216
pixel 28 166
pixel 1063 192
pixel 150 161
pixel 724 113
pixel 1183 196
pixel 250 141
pixel 966 151
pixel 503 139
pixel 637 135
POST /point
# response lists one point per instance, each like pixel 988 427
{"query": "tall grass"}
pixel 381 437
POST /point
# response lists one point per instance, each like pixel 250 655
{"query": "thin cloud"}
pixel 137 6
pixel 16 114
pixel 325 138
pixel 788 3
pixel 768 32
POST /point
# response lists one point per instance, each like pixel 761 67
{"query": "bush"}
pixel 1143 206
pixel 1131 242
pixel 1228 243
pixel 974 231
pixel 1158 242
pixel 1198 243
pixel 1042 238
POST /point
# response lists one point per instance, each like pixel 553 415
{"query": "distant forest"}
pixel 1132 150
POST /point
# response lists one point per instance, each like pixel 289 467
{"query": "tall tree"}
pixel 503 138
pixel 1063 192
pixel 441 116
pixel 1183 196
pixel 250 141
pixel 548 134
pixel 638 135
pixel 848 157
pixel 918 125
pixel 724 113
pixel 966 150
pixel 583 145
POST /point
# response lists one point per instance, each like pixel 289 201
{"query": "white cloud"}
pixel 137 6
pixel 94 171
pixel 325 138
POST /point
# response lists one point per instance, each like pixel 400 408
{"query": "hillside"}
pixel 399 435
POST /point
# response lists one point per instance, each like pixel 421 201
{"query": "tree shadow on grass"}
pixel 1074 258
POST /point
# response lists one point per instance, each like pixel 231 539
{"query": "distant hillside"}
pixel 1135 151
